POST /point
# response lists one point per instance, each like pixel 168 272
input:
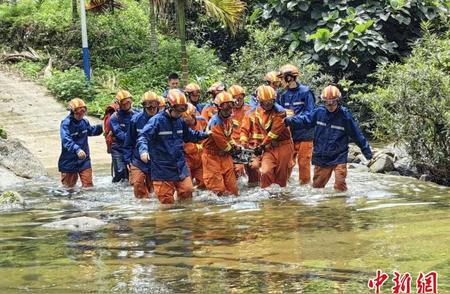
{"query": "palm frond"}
pixel 229 12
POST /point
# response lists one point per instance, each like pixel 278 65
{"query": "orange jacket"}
pixel 237 118
pixel 220 139
pixel 271 125
pixel 208 111
pixel 193 151
pixel 250 135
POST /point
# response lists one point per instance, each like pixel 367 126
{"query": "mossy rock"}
pixel 11 197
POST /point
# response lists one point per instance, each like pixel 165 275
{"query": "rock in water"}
pixel 82 223
pixel 383 163
pixel 10 197
pixel 16 158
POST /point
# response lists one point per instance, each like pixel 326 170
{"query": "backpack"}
pixel 107 132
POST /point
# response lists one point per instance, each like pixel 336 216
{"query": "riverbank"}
pixel 31 115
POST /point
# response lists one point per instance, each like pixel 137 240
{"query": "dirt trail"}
pixel 29 113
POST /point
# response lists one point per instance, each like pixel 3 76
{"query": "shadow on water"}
pixel 296 239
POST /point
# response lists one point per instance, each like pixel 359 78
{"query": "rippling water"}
pixel 296 239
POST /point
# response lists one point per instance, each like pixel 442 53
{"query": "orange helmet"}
pixel 289 69
pixel 216 87
pixel 122 95
pixel 150 96
pixel 223 97
pixel 330 93
pixel 176 97
pixel 76 103
pixel 236 90
pixel 162 102
pixel 191 110
pixel 272 76
pixel 265 93
pixel 192 87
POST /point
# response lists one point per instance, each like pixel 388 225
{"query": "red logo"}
pixel 425 283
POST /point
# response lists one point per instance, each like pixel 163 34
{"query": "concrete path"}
pixel 29 113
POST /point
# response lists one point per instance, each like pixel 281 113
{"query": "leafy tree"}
pixel 228 12
pixel 353 36
pixel 262 54
pixel 411 105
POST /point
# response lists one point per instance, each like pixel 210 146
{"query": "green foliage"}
pixel 3 134
pixel 263 54
pixel 411 104
pixel 69 84
pixel 29 69
pixel 353 36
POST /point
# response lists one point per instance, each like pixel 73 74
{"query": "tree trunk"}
pixel 153 35
pixel 74 11
pixel 180 7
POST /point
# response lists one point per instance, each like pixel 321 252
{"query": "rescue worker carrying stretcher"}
pixel 118 124
pixel 161 143
pixel 139 170
pixel 334 125
pixel 218 169
pixel 193 151
pixel 298 100
pixel 75 157
pixel 210 109
pixel 239 110
pixel 192 91
pixel 276 146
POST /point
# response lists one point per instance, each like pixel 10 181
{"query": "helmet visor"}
pixel 331 102
pixel 180 108
pixel 150 104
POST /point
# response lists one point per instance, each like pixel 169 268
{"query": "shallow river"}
pixel 297 239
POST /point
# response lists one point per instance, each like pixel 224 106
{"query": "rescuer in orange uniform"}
pixel 277 146
pixel 239 110
pixel 193 151
pixel 210 109
pixel 218 171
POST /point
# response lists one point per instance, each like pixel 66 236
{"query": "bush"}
pixel 411 104
pixel 263 53
pixel 29 69
pixel 69 84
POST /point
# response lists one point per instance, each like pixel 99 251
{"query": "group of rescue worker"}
pixel 177 142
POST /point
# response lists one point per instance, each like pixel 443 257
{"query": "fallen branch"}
pixel 16 56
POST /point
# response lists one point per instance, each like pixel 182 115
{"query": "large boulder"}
pixel 382 163
pixel 82 223
pixel 16 158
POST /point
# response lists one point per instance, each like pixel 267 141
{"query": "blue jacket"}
pixel 119 123
pixel 199 107
pixel 162 138
pixel 300 100
pixel 137 123
pixel 74 137
pixel 332 133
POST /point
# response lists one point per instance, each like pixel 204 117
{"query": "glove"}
pixel 81 154
pixel 145 157
pixel 259 150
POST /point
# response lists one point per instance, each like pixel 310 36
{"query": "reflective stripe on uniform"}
pixel 272 135
pixel 165 133
pixel 321 123
pixel 298 103
pixel 337 127
pixel 258 136
pixel 244 138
